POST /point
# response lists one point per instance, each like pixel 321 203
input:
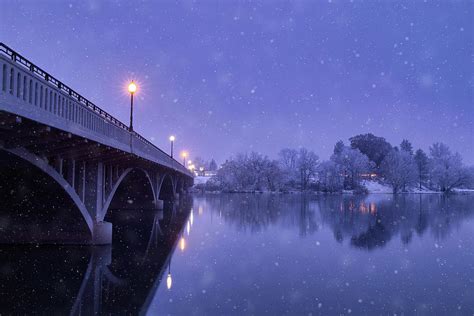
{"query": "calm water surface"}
pixel 260 254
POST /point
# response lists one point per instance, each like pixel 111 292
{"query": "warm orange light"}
pixel 132 87
pixel 184 154
pixel 182 244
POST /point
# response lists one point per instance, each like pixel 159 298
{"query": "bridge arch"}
pixel 167 188
pixel 49 171
pixel 126 174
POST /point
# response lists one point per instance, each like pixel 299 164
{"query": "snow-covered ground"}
pixel 376 187
pixel 371 185
pixel 200 180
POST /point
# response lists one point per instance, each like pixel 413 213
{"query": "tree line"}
pixel 365 157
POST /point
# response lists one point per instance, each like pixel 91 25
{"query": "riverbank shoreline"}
pixel 460 192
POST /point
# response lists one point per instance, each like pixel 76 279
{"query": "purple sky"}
pixel 242 76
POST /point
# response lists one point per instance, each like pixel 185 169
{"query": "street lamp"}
pixel 132 88
pixel 184 155
pixel 172 138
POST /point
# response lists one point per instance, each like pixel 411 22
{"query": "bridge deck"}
pixel 30 92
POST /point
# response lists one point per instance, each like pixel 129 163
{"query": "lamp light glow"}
pixel 132 87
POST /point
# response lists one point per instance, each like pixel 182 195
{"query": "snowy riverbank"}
pixel 373 187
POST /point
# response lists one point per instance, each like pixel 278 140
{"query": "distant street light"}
pixel 132 88
pixel 172 138
pixel 184 155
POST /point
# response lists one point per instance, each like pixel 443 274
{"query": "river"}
pixel 238 254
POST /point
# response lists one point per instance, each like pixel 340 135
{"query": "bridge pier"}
pixel 159 204
pixel 102 233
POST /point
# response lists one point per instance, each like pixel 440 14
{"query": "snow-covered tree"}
pixel 212 165
pixel 446 169
pixel 405 145
pixel 306 164
pixel 330 177
pixel 249 172
pixel 338 147
pixel 422 165
pixel 399 169
pixel 287 159
pixel 375 148
pixel 352 163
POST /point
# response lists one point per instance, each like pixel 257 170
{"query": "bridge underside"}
pixel 53 178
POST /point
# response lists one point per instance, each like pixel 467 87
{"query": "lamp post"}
pixel 132 88
pixel 172 138
pixel 184 155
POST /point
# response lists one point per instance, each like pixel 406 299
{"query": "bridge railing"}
pixel 28 84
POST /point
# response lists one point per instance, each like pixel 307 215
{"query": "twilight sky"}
pixel 238 76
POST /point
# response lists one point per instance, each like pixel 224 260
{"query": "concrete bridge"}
pixel 87 152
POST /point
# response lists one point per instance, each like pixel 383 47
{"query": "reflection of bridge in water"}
pixel 118 279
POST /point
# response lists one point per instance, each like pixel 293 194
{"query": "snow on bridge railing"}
pixel 82 101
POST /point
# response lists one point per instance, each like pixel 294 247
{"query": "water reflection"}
pixel 117 279
pixel 258 254
pixel 367 222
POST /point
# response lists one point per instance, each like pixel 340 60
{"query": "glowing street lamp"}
pixel 184 155
pixel 132 88
pixel 172 138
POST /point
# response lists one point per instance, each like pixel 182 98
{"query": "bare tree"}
pixel 421 160
pixel 330 177
pixel 446 169
pixel 307 164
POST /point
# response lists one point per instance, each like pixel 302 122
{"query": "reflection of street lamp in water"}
pixel 182 243
pixel 169 280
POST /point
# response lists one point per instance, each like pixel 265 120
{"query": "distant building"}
pixel 210 173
